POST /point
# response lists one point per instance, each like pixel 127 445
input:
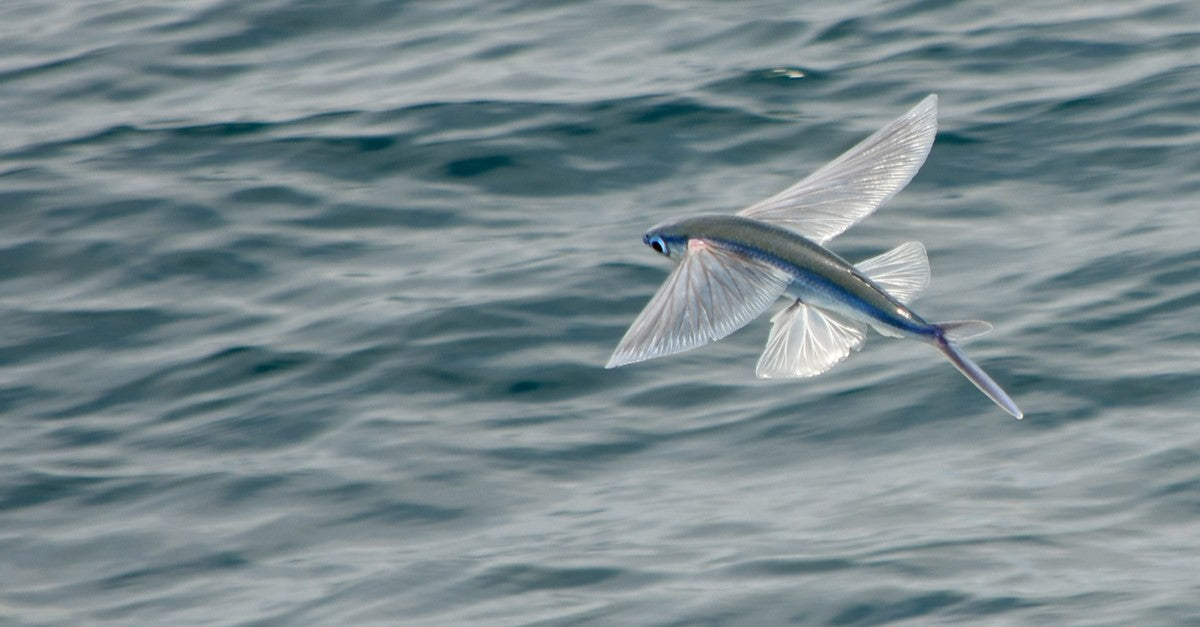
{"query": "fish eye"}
pixel 657 244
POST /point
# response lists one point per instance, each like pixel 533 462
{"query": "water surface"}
pixel 304 309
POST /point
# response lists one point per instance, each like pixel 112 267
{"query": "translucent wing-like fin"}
pixel 849 188
pixel 902 271
pixel 806 341
pixel 712 293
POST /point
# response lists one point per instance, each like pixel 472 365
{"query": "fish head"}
pixel 668 240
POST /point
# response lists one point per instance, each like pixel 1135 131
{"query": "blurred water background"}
pixel 304 308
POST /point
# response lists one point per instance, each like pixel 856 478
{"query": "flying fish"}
pixel 731 268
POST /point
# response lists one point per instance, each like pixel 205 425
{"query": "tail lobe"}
pixel 976 375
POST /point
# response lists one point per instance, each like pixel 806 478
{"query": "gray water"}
pixel 304 309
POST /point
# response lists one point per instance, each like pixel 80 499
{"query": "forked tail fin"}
pixel 974 373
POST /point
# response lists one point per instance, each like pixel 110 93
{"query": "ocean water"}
pixel 304 309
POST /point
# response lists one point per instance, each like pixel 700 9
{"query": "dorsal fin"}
pixel 902 271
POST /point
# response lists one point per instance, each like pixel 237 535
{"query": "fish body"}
pixel 819 277
pixel 732 267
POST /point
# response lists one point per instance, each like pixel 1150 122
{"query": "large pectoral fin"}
pixel 806 341
pixel 851 187
pixel 712 293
